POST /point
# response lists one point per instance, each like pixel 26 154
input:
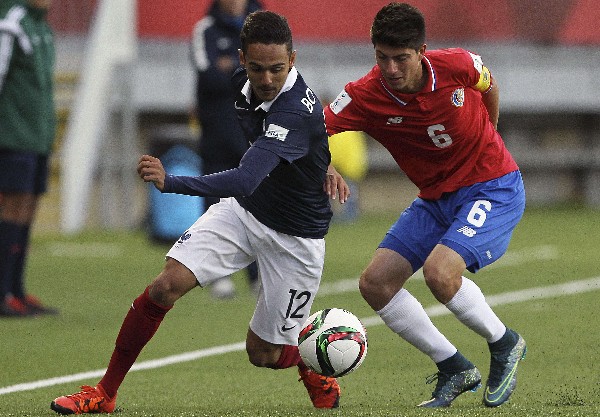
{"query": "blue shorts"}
pixel 23 172
pixel 476 221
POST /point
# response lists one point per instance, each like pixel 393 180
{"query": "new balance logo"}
pixel 467 231
pixel 394 120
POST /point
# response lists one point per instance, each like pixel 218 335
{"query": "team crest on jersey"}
pixel 276 132
pixel 458 97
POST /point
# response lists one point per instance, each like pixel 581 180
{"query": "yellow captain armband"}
pixel 485 80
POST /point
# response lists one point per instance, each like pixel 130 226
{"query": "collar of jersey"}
pixel 430 86
pixel 266 105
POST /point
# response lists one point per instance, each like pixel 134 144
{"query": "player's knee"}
pixel 260 357
pixel 373 289
pixel 172 283
pixel 366 284
pixel 441 281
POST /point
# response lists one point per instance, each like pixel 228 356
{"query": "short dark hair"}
pixel 399 25
pixel 268 28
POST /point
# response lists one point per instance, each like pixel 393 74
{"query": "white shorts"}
pixel 227 238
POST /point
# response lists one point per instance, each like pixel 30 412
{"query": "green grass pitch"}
pixel 94 277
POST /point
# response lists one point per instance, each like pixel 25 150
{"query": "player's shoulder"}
pixel 366 84
pixel 447 56
pixel 299 99
pixel 453 63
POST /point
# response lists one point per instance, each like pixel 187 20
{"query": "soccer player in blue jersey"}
pixel 274 210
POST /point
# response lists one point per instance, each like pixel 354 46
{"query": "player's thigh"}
pixel 483 227
pixel 215 246
pixel 290 273
pixel 416 232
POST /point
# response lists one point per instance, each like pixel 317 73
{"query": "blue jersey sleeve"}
pixel 286 135
pixel 254 167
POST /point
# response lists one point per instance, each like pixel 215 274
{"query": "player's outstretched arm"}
pixel 335 185
pixel 150 169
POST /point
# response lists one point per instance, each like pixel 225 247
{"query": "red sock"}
pixel 140 324
pixel 290 356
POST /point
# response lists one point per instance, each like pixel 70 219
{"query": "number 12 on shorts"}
pixel 297 301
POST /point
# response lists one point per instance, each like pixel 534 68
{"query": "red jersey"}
pixel 441 137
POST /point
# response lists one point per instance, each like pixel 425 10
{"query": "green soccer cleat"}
pixel 450 386
pixel 502 380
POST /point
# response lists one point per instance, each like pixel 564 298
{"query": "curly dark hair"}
pixel 399 25
pixel 268 28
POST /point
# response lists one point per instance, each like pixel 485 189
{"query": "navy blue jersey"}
pixel 290 199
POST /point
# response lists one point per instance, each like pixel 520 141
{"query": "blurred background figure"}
pixel 215 44
pixel 27 131
pixel 349 157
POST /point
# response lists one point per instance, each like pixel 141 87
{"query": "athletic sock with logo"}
pixel 140 324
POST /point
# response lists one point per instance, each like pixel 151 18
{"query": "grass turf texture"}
pixel 94 277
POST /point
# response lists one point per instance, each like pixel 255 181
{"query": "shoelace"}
pixel 83 394
pixel 441 378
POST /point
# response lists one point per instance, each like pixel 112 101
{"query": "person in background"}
pixel 27 132
pixel 436 112
pixel 214 50
pixel 275 210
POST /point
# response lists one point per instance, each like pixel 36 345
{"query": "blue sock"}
pixel 505 343
pixel 454 364
pixel 18 288
pixel 13 245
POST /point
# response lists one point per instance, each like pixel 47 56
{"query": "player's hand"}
pixel 335 185
pixel 150 169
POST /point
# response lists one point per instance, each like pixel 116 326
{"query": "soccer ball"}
pixel 333 342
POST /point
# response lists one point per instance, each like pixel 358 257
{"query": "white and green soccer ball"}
pixel 333 342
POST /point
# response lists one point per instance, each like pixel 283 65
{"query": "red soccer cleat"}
pixel 324 392
pixel 88 400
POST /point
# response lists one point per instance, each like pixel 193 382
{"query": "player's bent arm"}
pixel 254 167
pixel 491 100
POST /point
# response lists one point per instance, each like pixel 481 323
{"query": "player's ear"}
pixel 292 59
pixel 242 59
pixel 422 50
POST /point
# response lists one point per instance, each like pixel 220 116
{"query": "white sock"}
pixel 470 307
pixel 406 317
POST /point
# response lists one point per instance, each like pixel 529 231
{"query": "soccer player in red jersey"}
pixel 436 112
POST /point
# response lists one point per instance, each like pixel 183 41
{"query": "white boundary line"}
pixel 530 294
